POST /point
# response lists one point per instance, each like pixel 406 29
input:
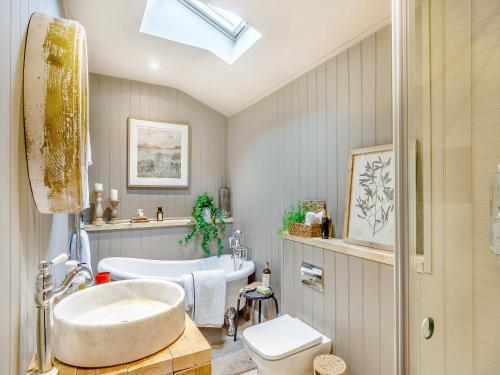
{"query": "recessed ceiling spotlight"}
pixel 154 65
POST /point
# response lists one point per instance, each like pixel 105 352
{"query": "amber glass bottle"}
pixel 325 224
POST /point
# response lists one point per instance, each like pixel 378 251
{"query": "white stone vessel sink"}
pixel 118 322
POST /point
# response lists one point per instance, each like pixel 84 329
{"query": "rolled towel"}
pixel 313 218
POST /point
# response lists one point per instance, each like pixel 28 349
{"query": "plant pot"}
pixel 207 214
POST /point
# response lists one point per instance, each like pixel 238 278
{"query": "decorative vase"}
pixel 225 201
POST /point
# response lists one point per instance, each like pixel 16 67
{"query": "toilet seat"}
pixel 281 337
pixel 284 346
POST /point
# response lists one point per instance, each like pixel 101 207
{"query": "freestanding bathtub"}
pixel 172 270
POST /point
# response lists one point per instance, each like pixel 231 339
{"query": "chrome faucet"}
pixel 236 241
pixel 45 296
pixel 239 251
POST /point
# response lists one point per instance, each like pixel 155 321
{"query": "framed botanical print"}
pixel 158 154
pixel 369 213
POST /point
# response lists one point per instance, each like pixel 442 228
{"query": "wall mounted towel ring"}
pixel 56 113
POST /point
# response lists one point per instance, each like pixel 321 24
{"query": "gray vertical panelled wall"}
pixel 112 102
pixel 26 236
pixel 294 145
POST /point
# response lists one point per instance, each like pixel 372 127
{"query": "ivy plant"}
pixel 209 229
pixel 293 214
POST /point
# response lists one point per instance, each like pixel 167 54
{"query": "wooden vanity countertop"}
pixel 190 354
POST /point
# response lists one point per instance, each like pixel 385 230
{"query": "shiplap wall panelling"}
pixel 383 87
pixel 27 236
pixel 355 309
pixel 294 144
pixel 114 100
pixel 342 137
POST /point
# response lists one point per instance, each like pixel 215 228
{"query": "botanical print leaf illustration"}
pixel 377 202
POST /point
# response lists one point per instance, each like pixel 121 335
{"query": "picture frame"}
pixel 369 218
pixel 158 154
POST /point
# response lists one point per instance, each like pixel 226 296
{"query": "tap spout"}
pixel 80 270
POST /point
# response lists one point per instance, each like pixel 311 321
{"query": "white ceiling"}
pixel 296 36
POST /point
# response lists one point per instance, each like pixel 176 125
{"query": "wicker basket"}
pixel 299 229
pixel 316 205
pixel 313 230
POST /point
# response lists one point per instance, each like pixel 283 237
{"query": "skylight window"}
pixel 225 21
pixel 201 25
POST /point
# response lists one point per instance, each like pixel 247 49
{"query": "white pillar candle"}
pixel 114 195
pixel 98 186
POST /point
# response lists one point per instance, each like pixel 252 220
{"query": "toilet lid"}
pixel 281 337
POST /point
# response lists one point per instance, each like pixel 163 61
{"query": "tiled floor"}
pixel 229 356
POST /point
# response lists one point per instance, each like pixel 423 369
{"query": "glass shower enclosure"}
pixel 447 135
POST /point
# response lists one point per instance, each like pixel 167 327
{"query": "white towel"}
pixel 209 298
pixel 85 246
pixel 313 218
pixel 187 284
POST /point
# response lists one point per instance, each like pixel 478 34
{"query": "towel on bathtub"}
pixel 188 284
pixel 209 298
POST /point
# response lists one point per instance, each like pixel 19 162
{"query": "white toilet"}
pixel 285 346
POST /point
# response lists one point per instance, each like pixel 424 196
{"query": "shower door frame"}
pixel 400 123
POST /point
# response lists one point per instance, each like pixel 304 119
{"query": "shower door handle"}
pixel 427 328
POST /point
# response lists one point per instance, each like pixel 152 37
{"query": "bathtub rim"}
pixel 106 265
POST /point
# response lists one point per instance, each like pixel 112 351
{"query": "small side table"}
pixel 253 296
pixel 329 364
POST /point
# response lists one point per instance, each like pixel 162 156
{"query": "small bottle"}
pixel 159 214
pixel 325 224
pixel 266 276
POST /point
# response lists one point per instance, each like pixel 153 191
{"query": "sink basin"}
pixel 118 322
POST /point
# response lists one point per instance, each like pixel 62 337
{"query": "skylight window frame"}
pixel 210 15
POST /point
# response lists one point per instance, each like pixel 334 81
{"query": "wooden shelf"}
pixel 339 246
pixel 127 225
pixel 191 354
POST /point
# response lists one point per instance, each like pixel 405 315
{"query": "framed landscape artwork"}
pixel 158 154
pixel 369 214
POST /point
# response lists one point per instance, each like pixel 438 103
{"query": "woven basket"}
pixel 316 205
pixel 299 229
pixel 313 230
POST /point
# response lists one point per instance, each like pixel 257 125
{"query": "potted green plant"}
pixel 205 219
pixel 293 214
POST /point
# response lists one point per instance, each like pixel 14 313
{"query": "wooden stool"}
pixel 328 364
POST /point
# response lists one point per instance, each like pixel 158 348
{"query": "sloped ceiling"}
pixel 296 35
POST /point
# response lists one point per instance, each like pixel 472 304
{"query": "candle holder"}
pixel 98 212
pixel 114 211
